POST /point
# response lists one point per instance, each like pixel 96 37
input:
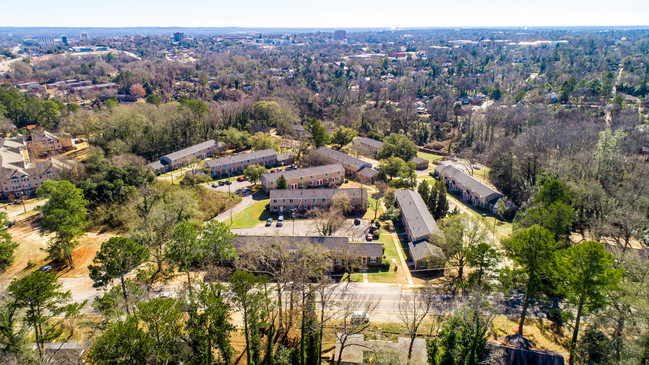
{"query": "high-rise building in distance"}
pixel 179 36
pixel 340 35
pixel 84 35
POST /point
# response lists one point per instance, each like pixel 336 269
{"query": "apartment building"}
pixel 235 164
pixel 473 190
pixel 367 146
pixel 340 249
pixel 420 163
pixel 304 200
pixel 353 166
pixel 187 156
pixel 41 143
pixel 421 229
pixel 19 175
pixel 326 175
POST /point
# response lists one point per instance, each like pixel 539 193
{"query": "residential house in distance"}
pixel 326 175
pixel 474 190
pixel 235 164
pixel 304 200
pixel 19 175
pixel 420 163
pixel 340 249
pixel 420 227
pixel 186 156
pixel 367 146
pixel 42 143
pixel 353 166
pixel 357 346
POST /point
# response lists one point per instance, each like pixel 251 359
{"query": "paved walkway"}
pixel 404 265
pixel 245 202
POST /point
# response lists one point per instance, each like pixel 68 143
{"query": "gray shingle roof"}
pixel 416 215
pixel 343 158
pixel 155 165
pixel 193 149
pixel 421 250
pixel 369 172
pixel 470 182
pixel 303 172
pixel 367 249
pixel 284 156
pixel 418 160
pixel 369 142
pixel 326 193
pixel 240 157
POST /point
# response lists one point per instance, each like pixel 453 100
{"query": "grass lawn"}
pixel 483 173
pixel 503 229
pixel 370 211
pixel 251 216
pixel 429 156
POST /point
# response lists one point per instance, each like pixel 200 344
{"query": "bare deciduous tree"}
pixel 354 310
pixel 414 307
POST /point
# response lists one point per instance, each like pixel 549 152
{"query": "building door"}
pixel 293 186
pixel 319 182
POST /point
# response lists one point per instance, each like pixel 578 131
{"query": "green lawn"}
pixel 370 210
pixel 482 173
pixel 251 216
pixel 429 156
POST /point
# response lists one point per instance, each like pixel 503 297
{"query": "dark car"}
pixel 221 182
pixel 357 222
pixel 228 182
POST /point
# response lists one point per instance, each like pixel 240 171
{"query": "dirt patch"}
pixel 31 250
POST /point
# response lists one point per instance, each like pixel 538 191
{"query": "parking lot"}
pixel 233 188
pixel 306 227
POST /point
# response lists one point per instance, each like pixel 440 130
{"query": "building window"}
pixel 339 262
pixel 422 264
pixel 373 260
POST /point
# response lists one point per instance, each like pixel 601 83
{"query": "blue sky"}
pixel 323 13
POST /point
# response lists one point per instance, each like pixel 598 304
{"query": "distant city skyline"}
pixel 328 14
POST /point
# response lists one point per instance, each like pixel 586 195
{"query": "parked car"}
pixel 280 221
pixel 241 178
pixel 215 185
pixel 46 268
pixel 476 167
pixel 269 222
pixel 18 201
pixel 221 182
pixel 357 222
pixel 359 318
pixel 228 182
pixel 369 237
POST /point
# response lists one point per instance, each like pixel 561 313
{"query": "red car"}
pixel 241 178
pixel 369 237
